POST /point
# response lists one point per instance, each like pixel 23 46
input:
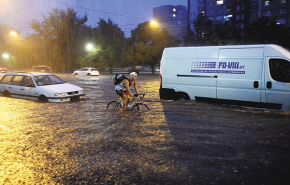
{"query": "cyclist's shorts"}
pixel 122 93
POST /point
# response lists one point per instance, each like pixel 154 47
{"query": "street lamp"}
pixel 13 33
pixel 5 56
pixel 154 23
pixel 90 47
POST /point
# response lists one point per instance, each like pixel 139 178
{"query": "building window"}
pixel 242 25
pixel 267 3
pixel 242 16
pixel 219 10
pixel 282 11
pixel 267 13
pixel 243 7
pixel 210 4
pixel 219 18
pixel 174 9
pixel 238 17
pixel 281 21
pixel 282 1
pixel 238 7
pixel 219 2
pixel 174 15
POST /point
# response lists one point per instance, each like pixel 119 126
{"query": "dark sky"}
pixel 126 13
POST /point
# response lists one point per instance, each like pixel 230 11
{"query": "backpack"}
pixel 118 78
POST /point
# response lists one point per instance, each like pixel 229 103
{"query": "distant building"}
pixel 173 18
pixel 241 13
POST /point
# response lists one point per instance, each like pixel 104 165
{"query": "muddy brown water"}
pixel 176 142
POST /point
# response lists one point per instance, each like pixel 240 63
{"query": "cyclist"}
pixel 123 88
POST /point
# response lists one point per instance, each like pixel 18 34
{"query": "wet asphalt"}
pixel 176 142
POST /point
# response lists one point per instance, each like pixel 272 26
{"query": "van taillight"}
pixel 160 76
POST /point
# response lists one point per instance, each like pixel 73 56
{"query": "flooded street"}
pixel 176 142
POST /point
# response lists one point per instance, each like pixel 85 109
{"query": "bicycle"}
pixel 134 106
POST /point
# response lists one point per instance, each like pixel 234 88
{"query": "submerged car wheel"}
pixel 181 96
pixel 6 94
pixel 75 74
pixel 42 99
pixel 89 74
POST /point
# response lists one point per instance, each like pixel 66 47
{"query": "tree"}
pixel 224 34
pixel 111 40
pixel 203 29
pixel 147 45
pixel 60 37
pixel 264 31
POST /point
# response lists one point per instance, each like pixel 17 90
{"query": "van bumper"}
pixel 166 94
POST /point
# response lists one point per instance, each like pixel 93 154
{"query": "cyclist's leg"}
pixel 126 99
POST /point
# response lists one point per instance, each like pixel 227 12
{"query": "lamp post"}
pixel 90 47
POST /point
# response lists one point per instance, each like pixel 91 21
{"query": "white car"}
pixel 87 71
pixel 44 87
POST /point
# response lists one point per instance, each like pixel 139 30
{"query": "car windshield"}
pixel 42 80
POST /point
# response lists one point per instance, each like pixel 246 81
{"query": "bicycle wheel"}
pixel 114 105
pixel 140 107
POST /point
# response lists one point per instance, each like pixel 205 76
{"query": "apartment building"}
pixel 173 18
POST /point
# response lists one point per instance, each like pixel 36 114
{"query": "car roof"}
pixel 28 74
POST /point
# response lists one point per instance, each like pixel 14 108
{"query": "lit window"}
pixel 282 1
pixel 267 3
pixel 219 2
pixel 174 15
pixel 281 21
pixel 174 9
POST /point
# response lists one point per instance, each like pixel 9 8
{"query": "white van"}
pixel 245 75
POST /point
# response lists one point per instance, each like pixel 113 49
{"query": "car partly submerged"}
pixel 43 87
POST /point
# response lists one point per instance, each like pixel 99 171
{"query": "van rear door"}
pixel 240 74
pixel 277 83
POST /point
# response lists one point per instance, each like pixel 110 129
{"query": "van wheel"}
pixel 75 74
pixel 6 94
pixel 181 96
pixel 88 74
pixel 42 99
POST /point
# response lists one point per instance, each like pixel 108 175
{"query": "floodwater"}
pixel 176 142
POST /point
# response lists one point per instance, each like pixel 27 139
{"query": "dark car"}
pixel 42 69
